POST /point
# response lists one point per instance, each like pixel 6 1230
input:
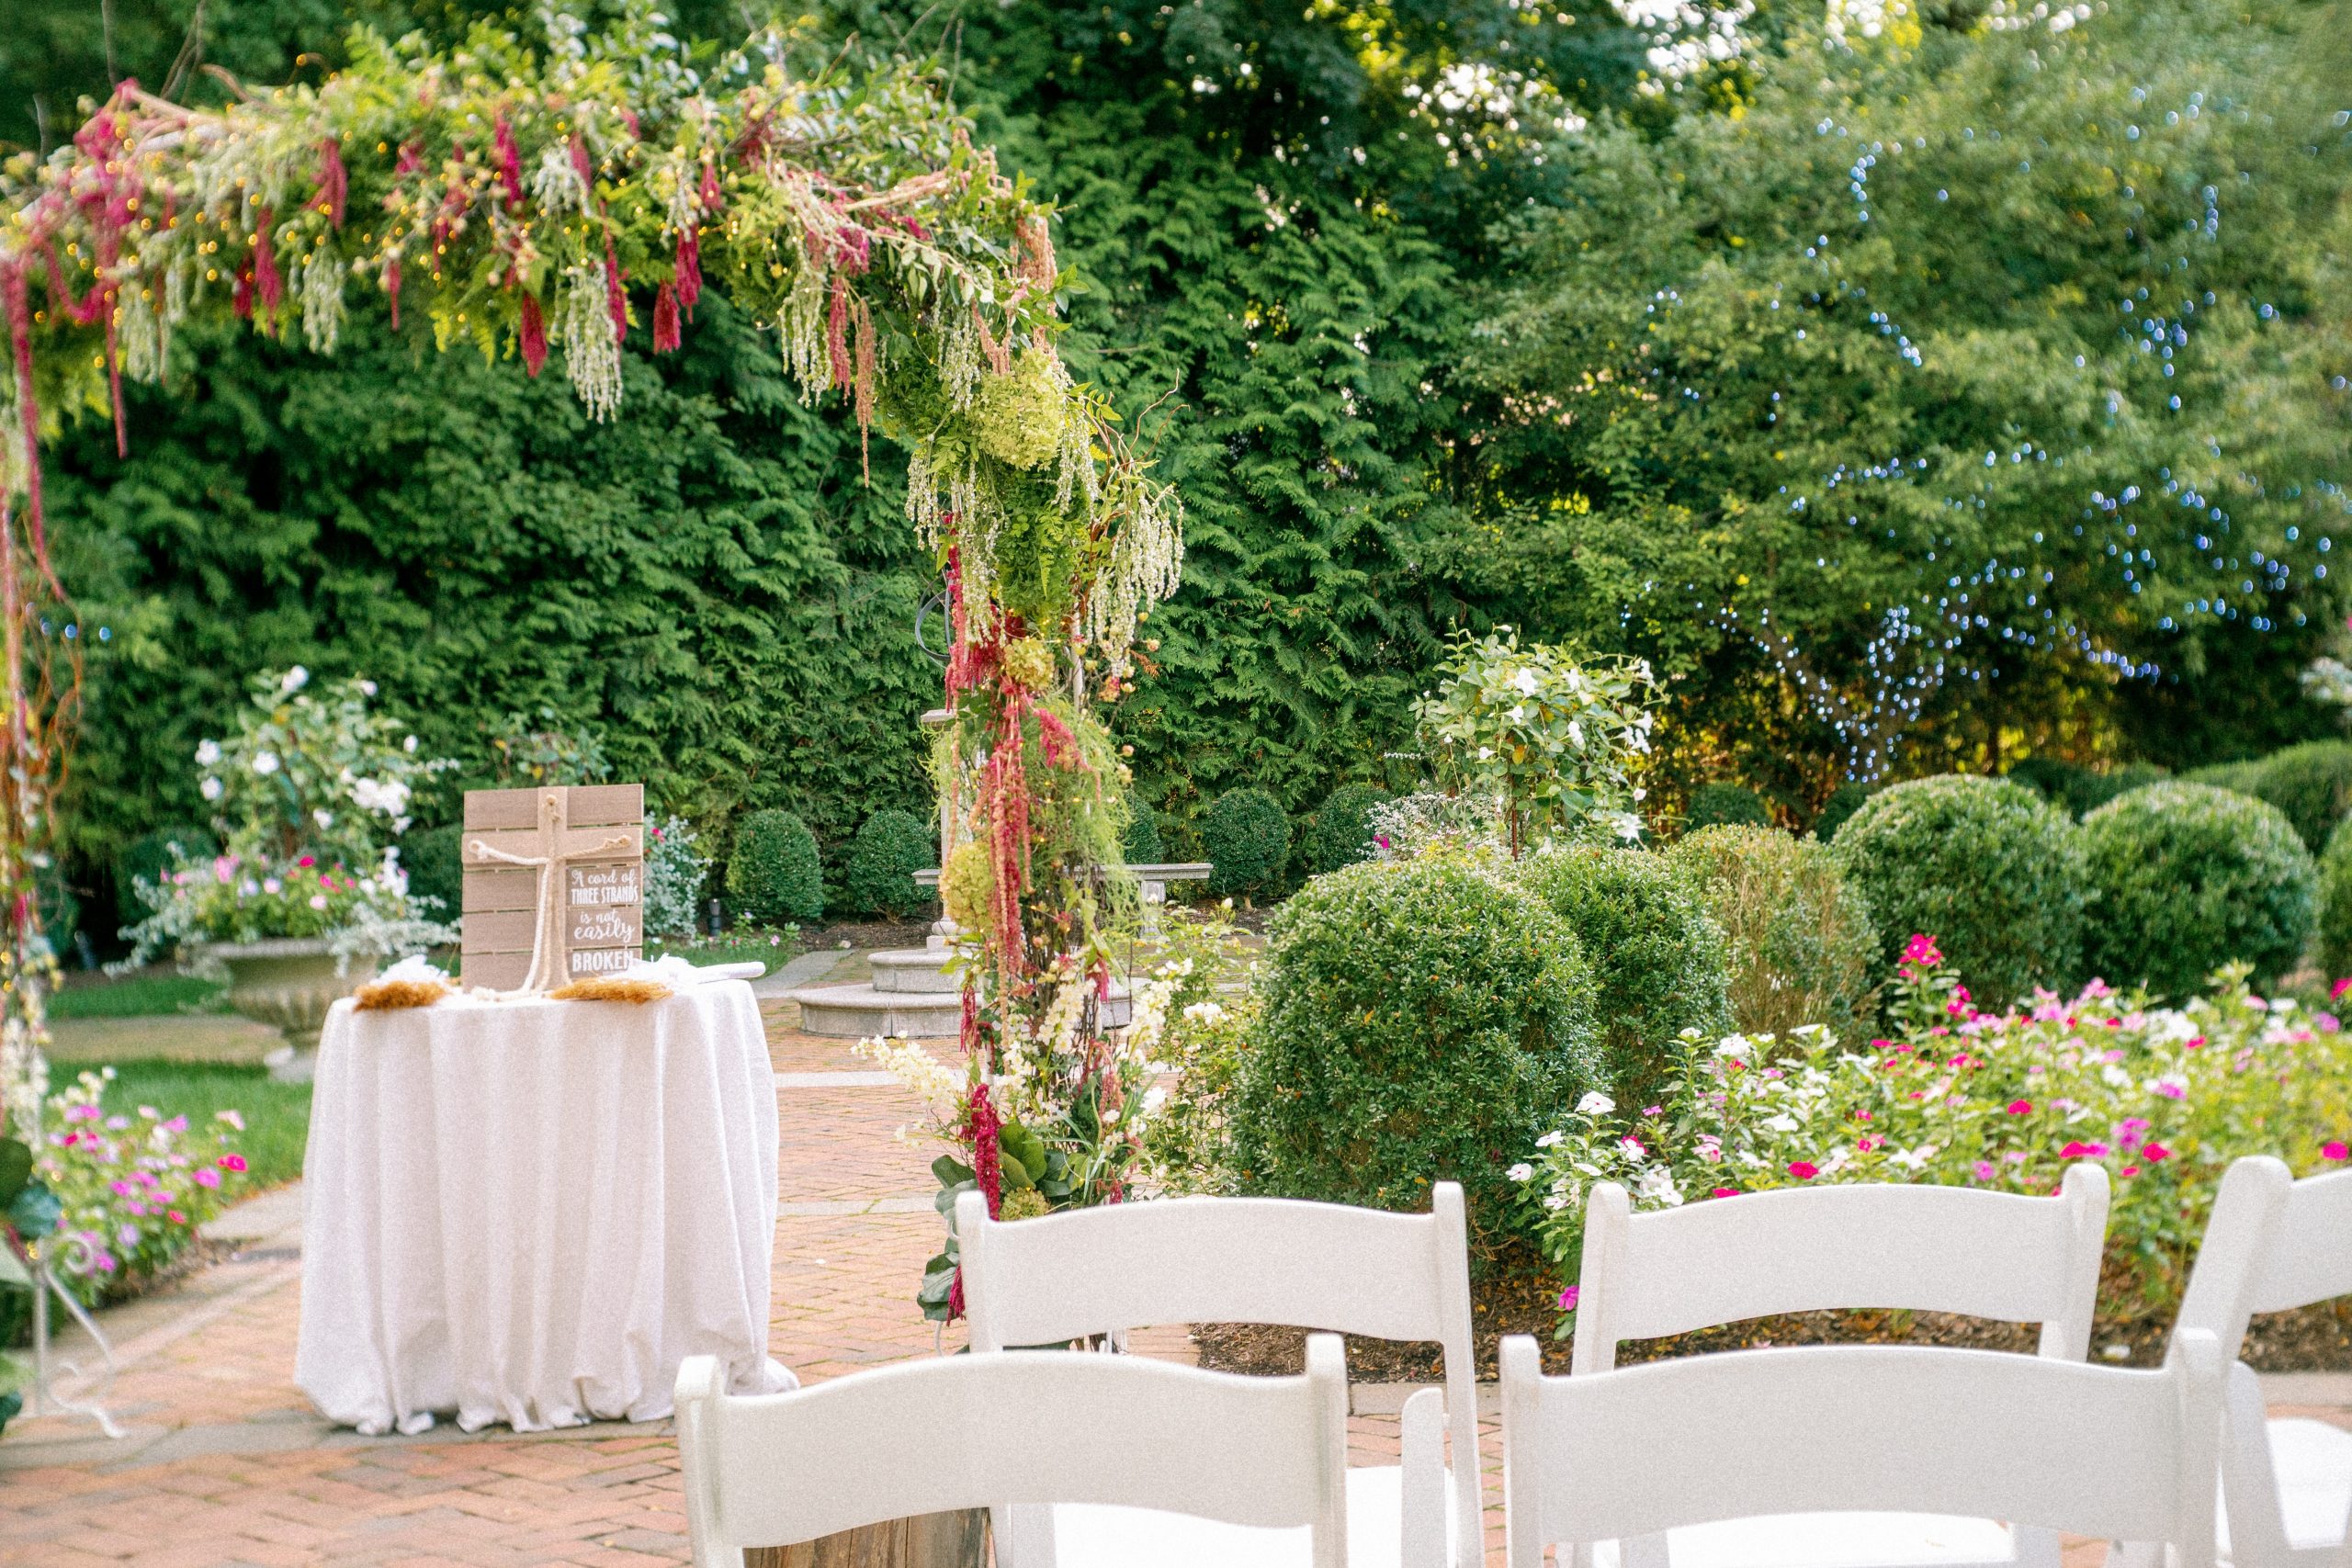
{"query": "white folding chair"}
pixel 1843 1245
pixel 1265 1454
pixel 2275 1244
pixel 1324 1266
pixel 1629 1455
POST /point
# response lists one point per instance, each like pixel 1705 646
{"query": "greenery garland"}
pixel 532 200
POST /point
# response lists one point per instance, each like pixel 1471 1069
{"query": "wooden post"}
pixel 957 1539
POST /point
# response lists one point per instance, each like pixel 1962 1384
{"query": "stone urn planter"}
pixel 290 983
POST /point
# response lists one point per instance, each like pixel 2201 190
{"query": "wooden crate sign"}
pixel 554 884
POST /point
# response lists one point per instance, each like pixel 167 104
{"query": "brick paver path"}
pixel 227 1465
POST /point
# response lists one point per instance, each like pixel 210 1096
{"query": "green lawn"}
pixel 771 948
pixel 136 995
pixel 278 1115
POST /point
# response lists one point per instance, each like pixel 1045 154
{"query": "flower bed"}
pixel 2164 1098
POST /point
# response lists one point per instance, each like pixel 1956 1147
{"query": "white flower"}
pixel 1628 826
pixel 1656 1185
pixel 408 745
pixel 293 681
pixel 368 688
pixel 1784 1122
pixel 210 789
pixel 265 762
pixel 1915 1159
pixel 318 900
pixel 1525 681
pixel 1518 712
pixel 1154 1098
pixel 1576 734
pixel 387 796
pixel 1521 1172
pixel 1550 1140
pixel 2115 1076
pixel 1595 1104
pixel 271 885
pixel 1204 1013
pixel 1485 754
pixel 323 817
pixel 1554 1201
pixel 207 752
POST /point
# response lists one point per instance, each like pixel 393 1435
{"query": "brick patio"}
pixel 226 1464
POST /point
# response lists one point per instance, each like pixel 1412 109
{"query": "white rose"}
pixel 210 789
pixel 293 681
pixel 1595 1104
pixel 207 752
pixel 265 762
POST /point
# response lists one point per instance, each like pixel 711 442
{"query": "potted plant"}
pixel 309 895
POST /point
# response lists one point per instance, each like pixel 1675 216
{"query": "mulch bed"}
pixel 2315 1338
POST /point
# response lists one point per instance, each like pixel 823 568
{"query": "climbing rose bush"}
pixel 2164 1098
pixel 132 1188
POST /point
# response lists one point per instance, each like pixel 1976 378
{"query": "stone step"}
pixel 917 970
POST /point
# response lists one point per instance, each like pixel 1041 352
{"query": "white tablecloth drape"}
pixel 532 1211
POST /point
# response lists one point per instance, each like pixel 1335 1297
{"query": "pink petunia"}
pixel 1803 1170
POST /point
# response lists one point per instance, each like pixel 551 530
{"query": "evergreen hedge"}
pixel 1342 830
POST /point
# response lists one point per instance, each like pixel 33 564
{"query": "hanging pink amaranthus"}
pixel 335 181
pixel 665 318
pixel 531 334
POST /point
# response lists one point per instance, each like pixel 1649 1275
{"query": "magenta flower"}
pixel 2338 1149
pixel 1803 1170
pixel 232 1162
pixel 2152 1153
pixel 2021 1108
pixel 2082 1151
pixel 1725 1192
pixel 1986 1170
pixel 207 1177
pixel 1569 1299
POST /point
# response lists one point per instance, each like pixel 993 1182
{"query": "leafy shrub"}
pixel 676 871
pixel 1799 940
pixel 2184 878
pixel 1658 959
pixel 1721 804
pixel 1423 1019
pixel 148 856
pixel 2164 1098
pixel 2312 783
pixel 2335 903
pixel 2055 781
pixel 884 856
pixel 1843 802
pixel 2237 776
pixel 1140 845
pixel 436 865
pixel 1986 866
pixel 1247 837
pixel 774 874
pixel 1343 831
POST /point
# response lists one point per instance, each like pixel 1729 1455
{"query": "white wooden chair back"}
pixel 2275 1244
pixel 2095 1450
pixel 1841 1246
pixel 1321 1266
pixel 969 1432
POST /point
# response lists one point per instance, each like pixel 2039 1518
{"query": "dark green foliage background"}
pixel 879 874
pixel 1246 835
pixel 774 874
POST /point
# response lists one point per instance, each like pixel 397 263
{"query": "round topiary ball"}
pixel 2335 911
pixel 1424 1021
pixel 2184 878
pixel 1723 805
pixel 1342 833
pixel 1986 867
pixel 878 876
pixel 1247 837
pixel 1799 941
pixel 1658 960
pixel 774 874
pixel 2312 783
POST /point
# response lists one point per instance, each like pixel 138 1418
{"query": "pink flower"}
pixel 1652 1109
pixel 121 1189
pixel 1921 952
pixel 1725 1192
pixel 1861 1115
pixel 177 1124
pixel 1867 1143
pixel 224 868
pixel 2021 1108
pixel 2082 1151
pixel 307 861
pixel 1632 1146
pixel 2338 1149
pixel 1986 1170
pixel 232 1162
pixel 2152 1153
pixel 1803 1170
pixel 2336 992
pixel 2131 1170
pixel 176 1217
pixel 207 1177
pixel 1569 1299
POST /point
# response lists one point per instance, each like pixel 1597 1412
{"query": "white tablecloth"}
pixel 531 1212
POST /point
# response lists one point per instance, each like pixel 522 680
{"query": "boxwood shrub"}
pixel 1726 804
pixel 879 874
pixel 1799 941
pixel 2184 877
pixel 774 874
pixel 2312 783
pixel 2335 903
pixel 1423 1020
pixel 1843 802
pixel 1343 831
pixel 1140 845
pixel 1658 960
pixel 1986 867
pixel 1247 836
